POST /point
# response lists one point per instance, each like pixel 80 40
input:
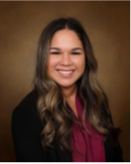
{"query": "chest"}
pixel 55 154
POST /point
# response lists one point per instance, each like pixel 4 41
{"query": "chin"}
pixel 66 85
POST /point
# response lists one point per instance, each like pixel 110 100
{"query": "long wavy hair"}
pixel 55 115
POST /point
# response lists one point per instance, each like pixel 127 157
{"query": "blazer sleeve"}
pixel 118 153
pixel 26 129
pixel 113 153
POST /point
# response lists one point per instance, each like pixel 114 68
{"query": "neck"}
pixel 69 92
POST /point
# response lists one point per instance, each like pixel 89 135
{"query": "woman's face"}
pixel 66 62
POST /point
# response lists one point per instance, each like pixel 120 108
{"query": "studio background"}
pixel 108 27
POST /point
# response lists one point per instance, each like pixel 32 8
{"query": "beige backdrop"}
pixel 107 24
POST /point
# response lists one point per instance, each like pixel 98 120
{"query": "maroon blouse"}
pixel 89 148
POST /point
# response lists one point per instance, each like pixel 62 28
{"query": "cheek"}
pixel 52 62
pixel 80 64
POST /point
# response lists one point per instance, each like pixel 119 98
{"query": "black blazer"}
pixel 26 129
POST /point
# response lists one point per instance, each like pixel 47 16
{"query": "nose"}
pixel 65 59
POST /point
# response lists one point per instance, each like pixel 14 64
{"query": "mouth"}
pixel 64 70
pixel 66 73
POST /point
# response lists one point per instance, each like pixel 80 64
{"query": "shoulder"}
pixel 28 104
pixel 26 129
pixel 29 101
pixel 26 113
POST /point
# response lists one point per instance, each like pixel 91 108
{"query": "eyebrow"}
pixel 76 48
pixel 55 48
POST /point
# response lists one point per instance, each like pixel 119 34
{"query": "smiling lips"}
pixel 65 73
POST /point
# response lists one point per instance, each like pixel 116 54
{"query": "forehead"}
pixel 66 38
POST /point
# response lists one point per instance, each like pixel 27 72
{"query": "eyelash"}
pixel 74 53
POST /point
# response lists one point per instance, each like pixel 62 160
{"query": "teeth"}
pixel 65 72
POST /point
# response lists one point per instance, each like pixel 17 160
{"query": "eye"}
pixel 56 53
pixel 75 53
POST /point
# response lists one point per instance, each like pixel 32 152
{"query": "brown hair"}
pixel 54 113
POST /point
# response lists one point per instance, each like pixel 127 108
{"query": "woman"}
pixel 67 107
